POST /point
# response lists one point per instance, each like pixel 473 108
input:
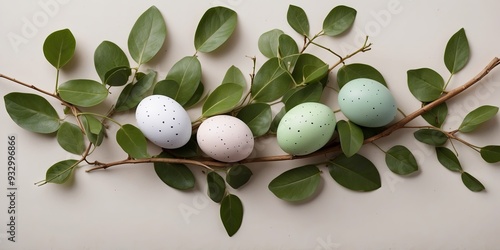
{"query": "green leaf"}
pixel 297 19
pixel 340 19
pixel 187 73
pixel 491 153
pixel 431 136
pixel 147 35
pixel 59 48
pixel 400 160
pixel 32 112
pixel 258 117
pixel 477 117
pixel 223 99
pixel 271 82
pixel 214 28
pixel 132 141
pixel 177 176
pixel 167 88
pixel 189 150
pixel 437 115
pixel 231 213
pixel 238 176
pixel 197 96
pixel 309 68
pixel 60 172
pixel 108 56
pixel 93 128
pixel 83 92
pixel 269 43
pixel 309 93
pixel 353 71
pixel 70 138
pixel 356 173
pixel 351 137
pixel 276 120
pixel 117 76
pixel 448 159
pixel 133 94
pixel 234 75
pixel 288 51
pixel 216 186
pixel 296 184
pixel 425 84
pixel 456 54
pixel 472 183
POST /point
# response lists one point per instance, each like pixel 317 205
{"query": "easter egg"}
pixel 367 102
pixel 225 138
pixel 163 121
pixel 305 128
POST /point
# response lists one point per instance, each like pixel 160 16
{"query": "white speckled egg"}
pixel 163 121
pixel 367 102
pixel 306 128
pixel 225 138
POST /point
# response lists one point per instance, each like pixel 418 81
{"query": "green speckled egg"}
pixel 367 102
pixel 306 128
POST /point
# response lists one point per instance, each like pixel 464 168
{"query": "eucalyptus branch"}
pixel 33 87
pixel 366 47
pixel 332 148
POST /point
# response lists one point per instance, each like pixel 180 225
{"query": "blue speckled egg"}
pixel 367 102
pixel 306 128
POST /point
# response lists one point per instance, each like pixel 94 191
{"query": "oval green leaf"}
pixel 351 137
pixel 269 42
pixel 353 71
pixel 309 68
pixel 214 29
pixel 83 92
pixel 271 82
pixel 234 75
pixel 437 115
pixel 425 84
pixel 491 153
pixel 297 19
pixel 477 117
pixel 355 173
pixel 340 19
pixel 310 93
pixel 133 94
pixel 108 56
pixel 400 160
pixel 231 213
pixel 456 54
pixel 32 112
pixel 276 120
pixel 238 176
pixel 223 99
pixel 296 184
pixel 187 73
pixel 70 138
pixel 177 176
pixel 93 129
pixel 147 35
pixel 59 48
pixel 117 76
pixel 431 136
pixel 216 186
pixel 258 117
pixel 448 159
pixel 189 150
pixel 472 183
pixel 132 141
pixel 288 51
pixel 60 172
